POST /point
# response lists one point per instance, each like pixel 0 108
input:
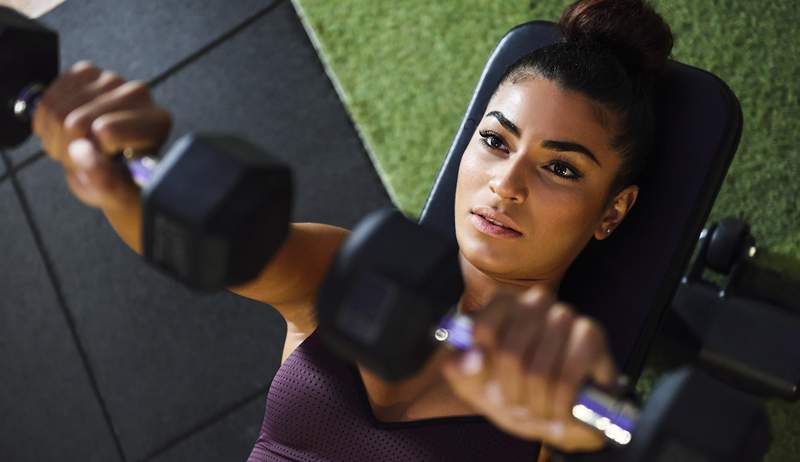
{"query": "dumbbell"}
pixel 215 209
pixel 388 302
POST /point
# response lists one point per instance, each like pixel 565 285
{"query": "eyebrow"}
pixel 504 121
pixel 567 146
pixel 560 146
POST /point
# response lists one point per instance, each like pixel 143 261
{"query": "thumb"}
pixel 96 179
pixel 467 373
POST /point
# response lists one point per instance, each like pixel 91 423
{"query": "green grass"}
pixel 406 71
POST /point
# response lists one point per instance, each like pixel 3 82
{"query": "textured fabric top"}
pixel 318 410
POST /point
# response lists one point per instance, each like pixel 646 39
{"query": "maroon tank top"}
pixel 318 410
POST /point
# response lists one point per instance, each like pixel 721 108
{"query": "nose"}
pixel 509 182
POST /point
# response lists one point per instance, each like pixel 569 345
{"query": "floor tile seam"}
pixel 24 164
pixel 175 68
pixel 7 162
pixel 213 44
pixel 205 424
pixel 61 300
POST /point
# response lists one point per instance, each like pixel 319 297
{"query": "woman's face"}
pixel 540 163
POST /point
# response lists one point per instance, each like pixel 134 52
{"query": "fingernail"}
pixel 80 151
pixel 472 362
pixel 493 393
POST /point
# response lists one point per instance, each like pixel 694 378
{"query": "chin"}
pixel 487 257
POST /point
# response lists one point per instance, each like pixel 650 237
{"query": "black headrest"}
pixel 627 280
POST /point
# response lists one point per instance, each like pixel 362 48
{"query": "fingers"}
pixel 543 364
pixel 101 101
pixel 87 102
pixel 524 328
pixel 51 109
pixel 105 82
pixel 467 375
pixel 490 322
pixel 531 356
pixel 86 115
pixel 140 129
pixel 97 180
pixel 586 357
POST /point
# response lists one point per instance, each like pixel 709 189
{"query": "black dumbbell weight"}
pixel 389 300
pixel 692 416
pixel 29 59
pixel 215 209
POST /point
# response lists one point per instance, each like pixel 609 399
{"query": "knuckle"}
pixel 562 315
pixel 84 71
pixel 108 78
pixel 77 121
pixel 82 66
pixel 136 89
pixel 103 127
pixel 590 330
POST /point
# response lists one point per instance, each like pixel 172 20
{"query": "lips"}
pixel 496 218
pixel 494 224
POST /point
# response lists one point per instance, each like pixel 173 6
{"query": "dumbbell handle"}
pixel 140 166
pixel 614 417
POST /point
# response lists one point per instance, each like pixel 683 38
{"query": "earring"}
pixel 608 230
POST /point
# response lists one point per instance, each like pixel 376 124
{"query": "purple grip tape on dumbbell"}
pixel 614 416
pixel 140 172
pixel 459 335
pixel 459 330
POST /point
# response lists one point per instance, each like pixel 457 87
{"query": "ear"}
pixel 616 211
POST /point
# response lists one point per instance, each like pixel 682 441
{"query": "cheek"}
pixel 561 208
pixel 472 175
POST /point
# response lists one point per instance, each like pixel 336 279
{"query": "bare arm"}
pixel 290 280
pixel 88 115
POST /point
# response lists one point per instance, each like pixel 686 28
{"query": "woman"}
pixel 552 164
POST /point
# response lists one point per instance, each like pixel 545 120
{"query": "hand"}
pixel 88 115
pixel 531 357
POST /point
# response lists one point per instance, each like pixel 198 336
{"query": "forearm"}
pixel 127 222
pixel 295 272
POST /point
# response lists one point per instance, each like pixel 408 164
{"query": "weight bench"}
pixel 699 123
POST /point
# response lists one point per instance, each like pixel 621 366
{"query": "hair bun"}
pixel 631 29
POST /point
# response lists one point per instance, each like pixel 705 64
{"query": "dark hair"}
pixel 613 52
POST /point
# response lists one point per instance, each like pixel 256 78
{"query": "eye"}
pixel 563 170
pixel 492 140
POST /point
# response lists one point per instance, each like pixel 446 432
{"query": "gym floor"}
pixel 105 359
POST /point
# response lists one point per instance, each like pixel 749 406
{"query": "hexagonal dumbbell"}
pixel 215 209
pixel 389 301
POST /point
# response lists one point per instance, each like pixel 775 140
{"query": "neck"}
pixel 479 286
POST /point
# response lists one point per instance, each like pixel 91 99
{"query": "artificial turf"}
pixel 406 71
